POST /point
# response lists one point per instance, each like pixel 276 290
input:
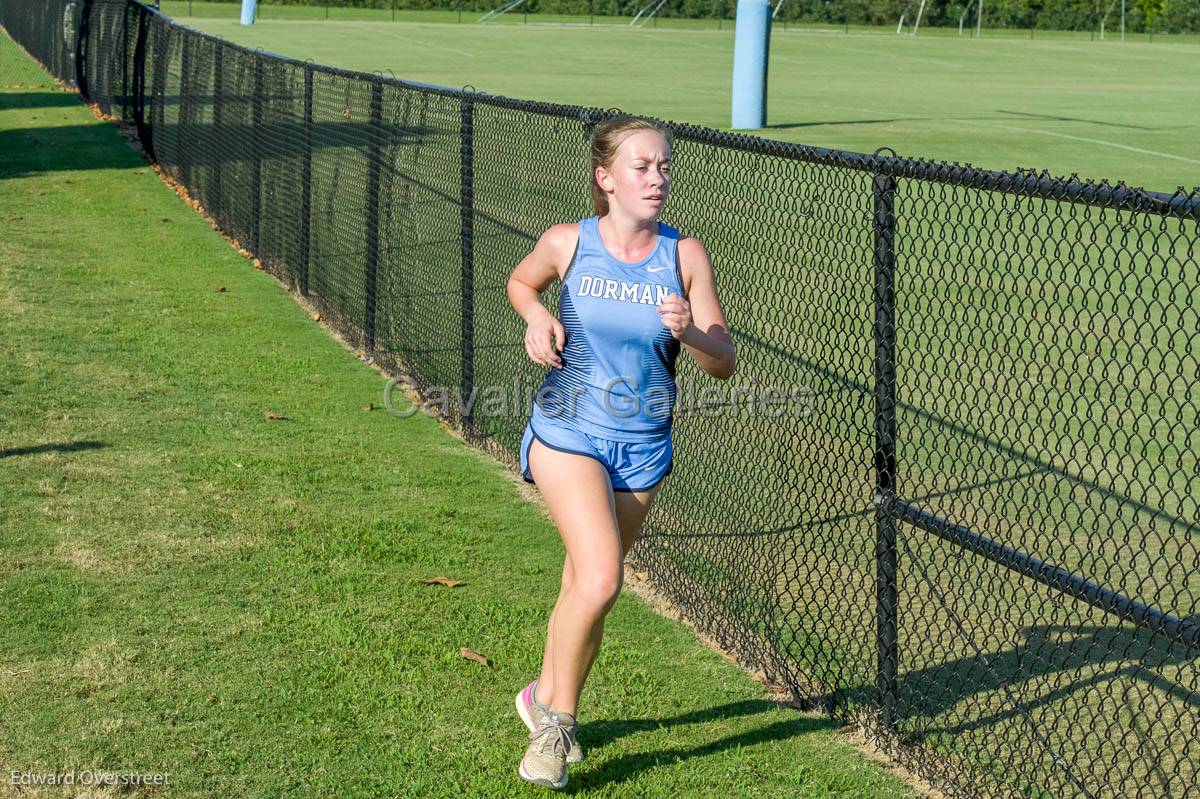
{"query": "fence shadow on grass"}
pixel 12 100
pixel 598 733
pixel 70 446
pixel 52 149
pixel 1040 685
pixel 327 135
pixel 1134 654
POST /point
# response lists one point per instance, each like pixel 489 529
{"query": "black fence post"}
pixel 306 180
pixel 887 655
pixel 81 48
pixel 123 48
pixel 467 238
pixel 158 87
pixel 256 133
pixel 215 203
pixel 138 92
pixel 185 154
pixel 375 154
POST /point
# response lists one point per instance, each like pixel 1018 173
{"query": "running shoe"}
pixel 533 713
pixel 545 759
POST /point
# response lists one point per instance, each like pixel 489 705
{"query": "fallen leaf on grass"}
pixel 272 415
pixel 446 581
pixel 471 654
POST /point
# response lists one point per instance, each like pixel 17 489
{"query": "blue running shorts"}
pixel 631 465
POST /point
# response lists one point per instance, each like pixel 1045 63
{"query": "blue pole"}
pixel 249 11
pixel 752 39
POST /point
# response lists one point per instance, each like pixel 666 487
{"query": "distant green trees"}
pixel 1180 16
pixel 1162 16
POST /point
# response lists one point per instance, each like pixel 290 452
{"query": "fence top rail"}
pixel 1182 204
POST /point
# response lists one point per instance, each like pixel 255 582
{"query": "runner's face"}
pixel 640 176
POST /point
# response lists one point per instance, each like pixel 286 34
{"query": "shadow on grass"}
pixel 1045 682
pixel 10 100
pixel 208 146
pixel 72 446
pixel 61 148
pixel 1136 654
pixel 832 122
pixel 958 686
pixel 600 733
pixel 1055 118
pixel 1045 650
pixel 1019 707
pixel 794 125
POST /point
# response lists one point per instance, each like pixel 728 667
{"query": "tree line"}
pixel 1160 16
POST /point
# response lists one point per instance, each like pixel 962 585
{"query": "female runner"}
pixel 598 443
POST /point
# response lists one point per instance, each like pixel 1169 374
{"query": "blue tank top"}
pixel 617 380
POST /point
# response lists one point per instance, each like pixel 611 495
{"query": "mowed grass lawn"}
pixel 1103 110
pixel 191 588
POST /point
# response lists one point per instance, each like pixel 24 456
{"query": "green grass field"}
pixel 194 589
pixel 1059 102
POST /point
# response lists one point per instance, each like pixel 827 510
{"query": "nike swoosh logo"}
pixel 655 268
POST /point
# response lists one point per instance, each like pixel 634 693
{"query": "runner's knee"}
pixel 599 589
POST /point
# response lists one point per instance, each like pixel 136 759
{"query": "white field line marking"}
pixel 1101 142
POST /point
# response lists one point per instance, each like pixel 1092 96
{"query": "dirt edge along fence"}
pixel 951 494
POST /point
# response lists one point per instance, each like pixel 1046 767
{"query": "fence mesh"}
pixel 46 31
pixel 950 494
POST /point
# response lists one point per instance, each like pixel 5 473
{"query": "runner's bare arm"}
pixel 707 337
pixel 545 336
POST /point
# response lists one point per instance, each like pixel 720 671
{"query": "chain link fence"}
pixel 951 493
pixel 48 32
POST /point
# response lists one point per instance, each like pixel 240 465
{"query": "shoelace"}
pixel 551 737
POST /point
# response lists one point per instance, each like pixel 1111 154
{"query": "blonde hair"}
pixel 607 139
